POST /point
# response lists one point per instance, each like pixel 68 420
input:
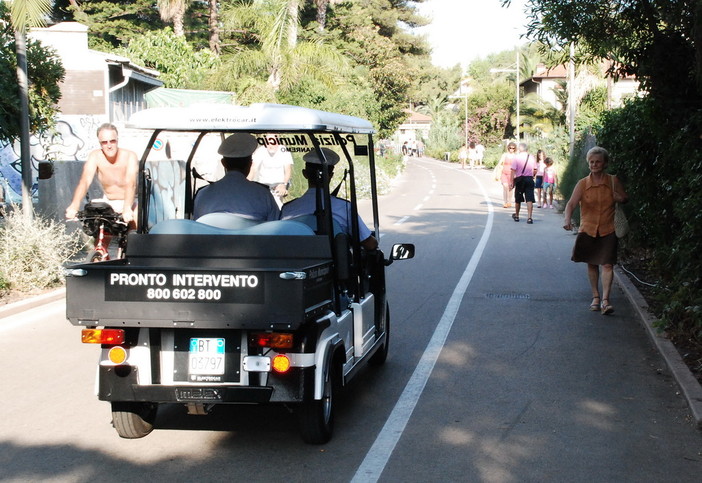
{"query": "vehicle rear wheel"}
pixel 316 417
pixel 381 354
pixel 133 420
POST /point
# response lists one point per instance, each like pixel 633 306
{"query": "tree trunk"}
pixel 25 155
pixel 214 28
pixel 293 10
pixel 178 21
pixel 321 14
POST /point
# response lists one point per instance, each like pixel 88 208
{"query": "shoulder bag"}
pixel 621 224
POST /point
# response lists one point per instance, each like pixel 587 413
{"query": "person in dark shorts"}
pixel 596 243
pixel 523 171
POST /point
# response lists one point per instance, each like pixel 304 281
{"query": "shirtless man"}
pixel 117 172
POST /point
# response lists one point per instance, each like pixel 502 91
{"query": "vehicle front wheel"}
pixel 133 420
pixel 316 417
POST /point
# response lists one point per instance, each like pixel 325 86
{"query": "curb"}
pixel 32 302
pixel 690 387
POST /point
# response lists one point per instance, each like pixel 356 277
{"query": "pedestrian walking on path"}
pixel 503 173
pixel 523 171
pixel 596 243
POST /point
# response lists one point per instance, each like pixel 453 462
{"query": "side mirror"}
pixel 402 251
pixel 45 169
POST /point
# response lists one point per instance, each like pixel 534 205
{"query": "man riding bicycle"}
pixel 116 169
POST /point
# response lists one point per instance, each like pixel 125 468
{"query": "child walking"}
pixel 550 182
pixel 539 181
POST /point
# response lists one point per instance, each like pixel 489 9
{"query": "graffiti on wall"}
pixel 72 138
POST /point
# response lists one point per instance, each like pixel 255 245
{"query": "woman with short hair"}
pixel 596 243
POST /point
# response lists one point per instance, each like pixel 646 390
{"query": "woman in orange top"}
pixel 596 243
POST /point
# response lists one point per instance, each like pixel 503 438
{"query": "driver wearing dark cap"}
pixel 234 193
pixel 341 209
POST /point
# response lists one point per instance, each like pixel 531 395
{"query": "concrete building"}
pixel 96 83
pixel 547 82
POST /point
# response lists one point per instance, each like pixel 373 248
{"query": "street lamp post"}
pixel 516 71
pixel 465 103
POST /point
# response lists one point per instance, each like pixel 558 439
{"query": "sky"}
pixel 463 30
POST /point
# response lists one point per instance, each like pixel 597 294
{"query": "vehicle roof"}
pixel 253 118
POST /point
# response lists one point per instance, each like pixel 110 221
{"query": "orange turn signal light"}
pixel 281 363
pixel 102 336
pixel 274 340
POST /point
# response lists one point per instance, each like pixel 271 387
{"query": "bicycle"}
pixel 102 222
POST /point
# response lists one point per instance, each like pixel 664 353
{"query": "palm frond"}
pixel 29 13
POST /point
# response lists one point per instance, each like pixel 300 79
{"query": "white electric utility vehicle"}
pixel 225 310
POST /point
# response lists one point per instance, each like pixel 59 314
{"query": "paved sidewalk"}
pixel 689 386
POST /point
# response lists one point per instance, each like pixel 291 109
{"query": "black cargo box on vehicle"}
pixel 206 281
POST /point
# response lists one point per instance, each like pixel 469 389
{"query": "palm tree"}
pixel 23 14
pixel 174 11
pixel 278 53
pixel 322 6
pixel 538 116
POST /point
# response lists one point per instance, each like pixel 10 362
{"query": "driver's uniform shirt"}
pixel 341 212
pixel 235 194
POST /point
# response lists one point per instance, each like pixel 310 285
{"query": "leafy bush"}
pixel 33 251
pixel 655 151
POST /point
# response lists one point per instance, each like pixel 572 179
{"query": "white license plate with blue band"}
pixel 206 356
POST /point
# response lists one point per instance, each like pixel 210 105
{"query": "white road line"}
pixel 402 220
pixel 378 455
pixel 418 207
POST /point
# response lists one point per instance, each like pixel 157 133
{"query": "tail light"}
pixel 274 340
pixel 102 336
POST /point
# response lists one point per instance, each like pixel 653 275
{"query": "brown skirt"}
pixel 600 250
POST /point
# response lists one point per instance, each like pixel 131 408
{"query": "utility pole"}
pixel 518 109
pixel 571 99
pixel 465 112
pixel 517 82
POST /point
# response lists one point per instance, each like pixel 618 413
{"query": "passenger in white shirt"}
pixel 272 166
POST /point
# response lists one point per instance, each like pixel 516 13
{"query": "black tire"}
pixel 381 354
pixel 316 417
pixel 95 256
pixel 133 420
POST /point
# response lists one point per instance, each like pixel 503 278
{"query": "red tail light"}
pixel 102 336
pixel 274 340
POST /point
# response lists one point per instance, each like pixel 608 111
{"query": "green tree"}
pixel 658 42
pixel 45 73
pixel 373 35
pixel 23 14
pixel 539 117
pixel 489 107
pixel 432 82
pixel 267 51
pixel 174 11
pixel 179 64
pixel 115 23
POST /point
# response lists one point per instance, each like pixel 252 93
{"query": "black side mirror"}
pixel 402 251
pixel 45 169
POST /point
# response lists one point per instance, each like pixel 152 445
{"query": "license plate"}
pixel 206 356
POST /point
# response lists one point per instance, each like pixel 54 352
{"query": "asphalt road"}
pixel 497 372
